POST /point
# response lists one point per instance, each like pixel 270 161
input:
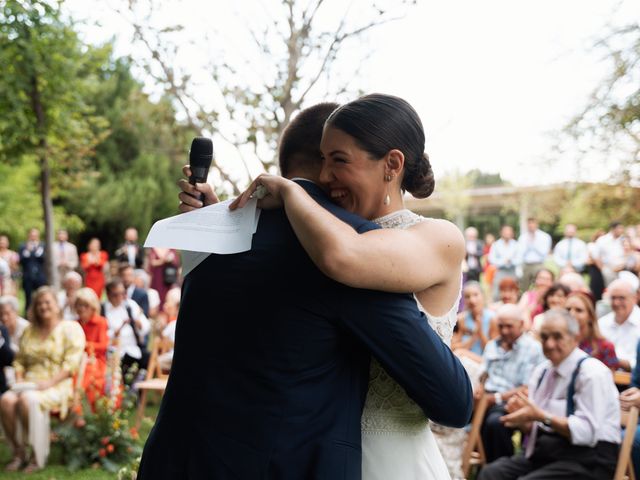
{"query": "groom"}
pixel 271 359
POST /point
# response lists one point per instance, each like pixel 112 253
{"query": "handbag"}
pixel 169 274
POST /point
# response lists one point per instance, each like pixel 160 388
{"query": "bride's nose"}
pixel 326 175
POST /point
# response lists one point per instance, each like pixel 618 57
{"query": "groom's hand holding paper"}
pixel 212 229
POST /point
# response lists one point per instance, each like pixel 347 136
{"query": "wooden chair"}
pixel 473 453
pixel 622 378
pixel 624 469
pixel 156 379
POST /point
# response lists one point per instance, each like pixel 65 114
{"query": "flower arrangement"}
pixel 100 434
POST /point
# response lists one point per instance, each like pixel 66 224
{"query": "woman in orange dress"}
pixel 97 341
pixel 94 262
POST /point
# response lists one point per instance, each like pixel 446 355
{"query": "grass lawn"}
pixel 56 470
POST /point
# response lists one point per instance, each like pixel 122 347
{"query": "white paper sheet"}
pixel 212 229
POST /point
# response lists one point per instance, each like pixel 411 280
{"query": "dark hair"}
pixel 380 123
pixel 556 287
pixel 300 141
pixel 113 283
pixel 614 224
pixel 124 266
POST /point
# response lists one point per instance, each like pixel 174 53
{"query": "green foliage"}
pixel 114 154
pixel 100 437
pixel 593 207
pixel 478 178
pixel 610 121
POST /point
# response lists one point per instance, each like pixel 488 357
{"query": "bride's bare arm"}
pixel 391 260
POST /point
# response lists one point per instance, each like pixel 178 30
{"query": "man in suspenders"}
pixel 571 414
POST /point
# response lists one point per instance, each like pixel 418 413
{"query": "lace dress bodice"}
pixel 387 407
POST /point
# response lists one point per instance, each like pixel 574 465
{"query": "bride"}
pixel 373 151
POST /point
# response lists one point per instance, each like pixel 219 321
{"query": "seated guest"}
pixel 507 362
pixel 170 312
pixel 127 326
pixel 580 306
pixel 473 322
pixel 531 300
pixel 571 413
pixel 50 353
pixel 554 298
pixel 508 292
pixel 622 325
pixel 136 294
pixel 9 318
pixel 97 341
pixel 573 281
pixel 142 281
pixel 71 283
pixel 631 398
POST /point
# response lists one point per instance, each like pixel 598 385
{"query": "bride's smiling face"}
pixel 353 179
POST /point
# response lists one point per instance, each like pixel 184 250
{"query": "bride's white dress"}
pixel 397 442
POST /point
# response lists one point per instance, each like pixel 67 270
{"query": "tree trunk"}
pixel 45 184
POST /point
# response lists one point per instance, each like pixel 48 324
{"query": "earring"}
pixel 387 198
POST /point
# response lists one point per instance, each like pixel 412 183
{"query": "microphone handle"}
pixel 193 179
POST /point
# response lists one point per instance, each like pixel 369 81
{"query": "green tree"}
pixel 294 53
pixel 134 169
pixel 43 114
pixel 610 120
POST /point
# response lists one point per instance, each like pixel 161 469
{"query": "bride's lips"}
pixel 338 195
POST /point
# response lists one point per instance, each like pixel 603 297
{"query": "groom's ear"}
pixel 394 162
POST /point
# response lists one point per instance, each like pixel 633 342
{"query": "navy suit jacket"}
pixel 271 365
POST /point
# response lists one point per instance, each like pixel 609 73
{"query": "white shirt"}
pixel 170 331
pixel 131 254
pixel 535 247
pixel 66 251
pixel 571 251
pixel 154 298
pixel 597 409
pixel 609 250
pixel 625 336
pixel 21 324
pixel 116 316
pixel 67 311
pixel 504 254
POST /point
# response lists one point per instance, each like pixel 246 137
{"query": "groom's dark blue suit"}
pixel 271 364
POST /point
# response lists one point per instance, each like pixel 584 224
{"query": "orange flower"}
pixel 104 440
pixel 110 448
pixel 102 452
pixel 134 433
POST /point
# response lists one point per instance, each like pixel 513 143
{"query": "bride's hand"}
pixel 190 195
pixel 269 189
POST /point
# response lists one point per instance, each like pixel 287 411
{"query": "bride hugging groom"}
pixel 306 358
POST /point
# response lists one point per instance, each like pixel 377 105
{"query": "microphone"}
pixel 200 157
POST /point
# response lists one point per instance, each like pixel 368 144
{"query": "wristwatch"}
pixel 498 398
pixel 547 419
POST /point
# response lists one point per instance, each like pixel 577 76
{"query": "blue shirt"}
pixel 470 325
pixel 507 369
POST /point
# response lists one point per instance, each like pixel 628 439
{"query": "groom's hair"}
pixel 300 142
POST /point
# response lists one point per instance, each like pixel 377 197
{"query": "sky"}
pixel 494 82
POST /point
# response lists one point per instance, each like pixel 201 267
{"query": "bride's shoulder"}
pixel 441 233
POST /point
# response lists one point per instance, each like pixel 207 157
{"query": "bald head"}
pixel 510 319
pixel 623 299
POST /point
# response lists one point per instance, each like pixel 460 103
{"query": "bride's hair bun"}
pixel 418 177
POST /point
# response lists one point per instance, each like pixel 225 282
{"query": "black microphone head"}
pixel 201 153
